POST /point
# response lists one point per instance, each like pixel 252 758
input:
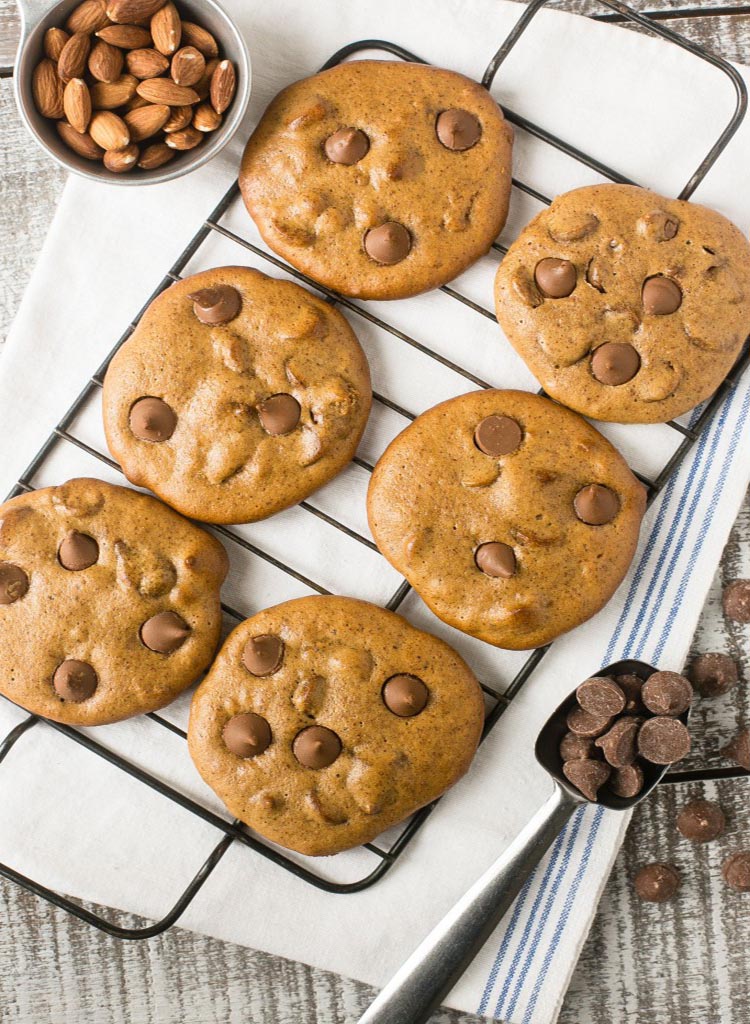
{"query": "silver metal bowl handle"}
pixel 435 966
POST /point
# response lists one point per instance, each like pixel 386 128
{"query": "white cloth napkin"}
pixel 73 822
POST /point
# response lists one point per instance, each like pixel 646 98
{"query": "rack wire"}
pixel 235 832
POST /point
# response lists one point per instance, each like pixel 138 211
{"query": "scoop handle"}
pixel 419 986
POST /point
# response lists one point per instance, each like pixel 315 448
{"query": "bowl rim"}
pixel 34 21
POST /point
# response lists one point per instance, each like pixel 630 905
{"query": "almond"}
pixel 146 63
pixel 164 90
pixel 166 29
pixel 155 155
pixel 200 38
pixel 205 118
pixel 83 145
pixel 54 41
pixel 203 87
pixel 77 104
pixel 88 17
pixel 135 103
pixel 110 95
pixel 128 12
pixel 188 66
pixel 146 121
pixel 223 84
pixel 186 138
pixel 47 89
pixel 179 119
pixel 72 62
pixel 108 130
pixel 105 61
pixel 127 37
pixel 120 160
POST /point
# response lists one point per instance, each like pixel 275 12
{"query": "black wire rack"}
pixel 229 832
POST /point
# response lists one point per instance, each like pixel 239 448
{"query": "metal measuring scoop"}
pixel 39 15
pixel 432 970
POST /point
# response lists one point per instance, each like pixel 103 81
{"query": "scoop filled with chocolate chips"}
pixel 610 742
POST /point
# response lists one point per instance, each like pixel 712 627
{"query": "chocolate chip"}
pixel 627 782
pixel 714 674
pixel 13 583
pixel 656 883
pixel 596 505
pixel 738 750
pixel 601 696
pixel 667 693
pixel 279 414
pixel 631 685
pixel 574 748
pixel 663 740
pixel 701 820
pixel 263 654
pixel 164 632
pixel 736 601
pixel 583 723
pixel 496 559
pixel 618 743
pixel 246 735
pixel 736 871
pixel 388 244
pixel 216 305
pixel 555 279
pixel 78 551
pixel 316 746
pixel 587 776
pixel 151 419
pixel 660 296
pixel 458 129
pixel 614 363
pixel 498 435
pixel 405 695
pixel 346 146
pixel 75 681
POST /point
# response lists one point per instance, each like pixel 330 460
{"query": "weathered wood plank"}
pixel 642 963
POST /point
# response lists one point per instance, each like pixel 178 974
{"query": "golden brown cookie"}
pixel 236 396
pixel 109 602
pixel 626 306
pixel 380 179
pixel 325 720
pixel 511 517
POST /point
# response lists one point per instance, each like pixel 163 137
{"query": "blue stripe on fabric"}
pixel 734 440
pixel 535 906
pixel 661 518
pixel 643 563
pixel 574 828
pixel 569 900
pixel 703 531
pixel 518 907
pixel 713 437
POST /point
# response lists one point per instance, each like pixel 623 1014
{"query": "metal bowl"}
pixel 39 15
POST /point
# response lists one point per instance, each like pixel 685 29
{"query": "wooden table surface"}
pixel 679 963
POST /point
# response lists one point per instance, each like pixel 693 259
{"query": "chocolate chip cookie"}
pixel 380 179
pixel 513 518
pixel 236 396
pixel 109 602
pixel 625 305
pixel 325 720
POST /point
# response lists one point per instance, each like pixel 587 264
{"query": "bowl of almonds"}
pixel 131 91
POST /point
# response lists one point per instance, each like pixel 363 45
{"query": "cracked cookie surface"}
pixel 238 403
pixel 326 720
pixel 625 305
pixel 380 179
pixel 109 602
pixel 513 518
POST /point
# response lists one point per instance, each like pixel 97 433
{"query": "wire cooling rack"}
pixel 63 435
